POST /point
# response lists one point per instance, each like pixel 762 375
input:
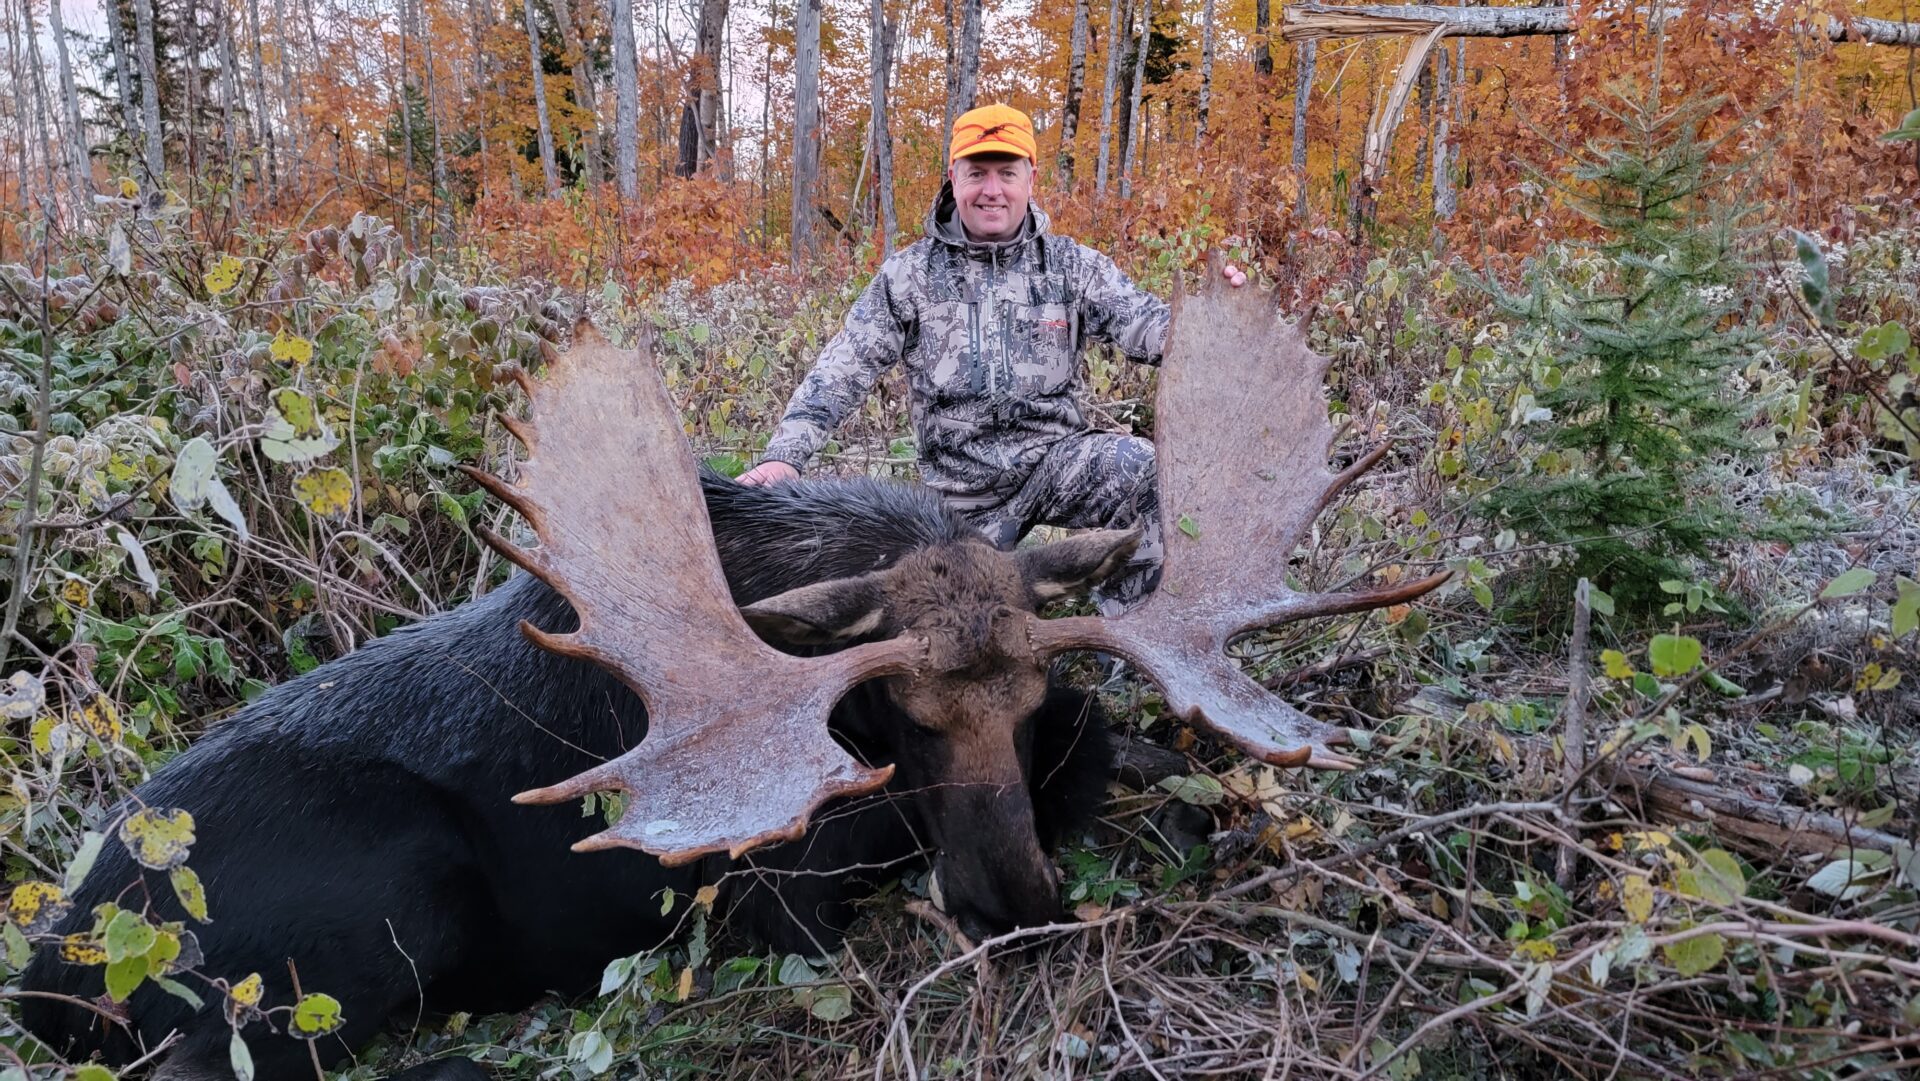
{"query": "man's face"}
pixel 992 192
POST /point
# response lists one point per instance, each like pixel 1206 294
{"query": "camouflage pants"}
pixel 1094 479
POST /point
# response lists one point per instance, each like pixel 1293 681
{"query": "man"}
pixel 990 312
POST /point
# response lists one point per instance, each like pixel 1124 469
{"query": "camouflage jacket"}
pixel 991 334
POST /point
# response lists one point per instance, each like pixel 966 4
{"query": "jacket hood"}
pixel 943 225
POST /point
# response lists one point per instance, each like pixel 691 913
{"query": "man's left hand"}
pixel 1235 277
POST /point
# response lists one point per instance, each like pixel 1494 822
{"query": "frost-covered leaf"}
pixel 194 469
pixel 223 275
pixel 136 552
pixel 240 1058
pixel 294 431
pixel 1692 956
pixel 22 696
pixel 1197 789
pixel 315 1015
pixel 35 907
pixel 192 895
pixel 1848 583
pixel 326 492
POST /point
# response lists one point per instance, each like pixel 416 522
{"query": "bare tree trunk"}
pixel 1206 73
pixel 123 77
pixel 1116 33
pixel 229 99
pixel 154 157
pixel 626 101
pixel 548 169
pixel 806 127
pixel 1443 92
pixel 42 109
pixel 702 106
pixel 15 106
pixel 963 61
pixel 583 92
pixel 882 50
pixel 1304 55
pixel 263 113
pixel 290 95
pixel 1424 94
pixel 402 84
pixel 78 160
pixel 1076 89
pixel 1262 47
pixel 1134 111
pixel 442 194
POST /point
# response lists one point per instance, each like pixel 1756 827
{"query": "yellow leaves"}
pixel 684 990
pixel 77 593
pixel 82 950
pixel 128 188
pixel 158 839
pixel 243 998
pixel 1616 664
pixel 705 896
pixel 192 895
pixel 1535 949
pixel 291 349
pixel 1636 898
pixel 100 718
pixel 223 276
pixel 326 492
pixel 34 907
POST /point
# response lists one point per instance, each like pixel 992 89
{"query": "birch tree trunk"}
pixel 583 92
pixel 1443 92
pixel 1134 112
pixel 1116 34
pixel 442 195
pixel 806 127
pixel 403 105
pixel 626 101
pixel 1076 89
pixel 882 50
pixel 1206 73
pixel 702 108
pixel 79 162
pixel 153 156
pixel 548 169
pixel 1304 56
pixel 963 62
pixel 42 109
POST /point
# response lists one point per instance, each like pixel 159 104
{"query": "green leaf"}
pixel 240 1057
pixel 592 1050
pixel 192 895
pixel 1187 525
pixel 92 1071
pixel 1906 610
pixel 194 468
pixel 83 858
pixel 129 935
pixel 1197 789
pixel 1690 957
pixel 180 991
pixel 315 1015
pixel 124 977
pixel 19 950
pixel 1723 685
pixel 794 969
pixel 1889 339
pixel 1816 285
pixel 1849 583
pixel 1600 602
pixel 1907 132
pixel 1717 877
pixel 1673 654
pixel 222 503
pixel 832 1003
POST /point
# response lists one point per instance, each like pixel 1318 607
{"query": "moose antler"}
pixel 612 493
pixel 1241 440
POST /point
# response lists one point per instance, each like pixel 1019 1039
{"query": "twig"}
pixel 1574 737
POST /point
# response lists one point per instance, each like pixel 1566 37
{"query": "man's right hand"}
pixel 769 472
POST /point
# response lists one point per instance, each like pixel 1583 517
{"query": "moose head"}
pixel 738 752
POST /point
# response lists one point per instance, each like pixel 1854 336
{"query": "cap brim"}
pixel 993 146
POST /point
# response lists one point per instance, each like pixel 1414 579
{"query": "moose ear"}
pixel 1052 571
pixel 820 614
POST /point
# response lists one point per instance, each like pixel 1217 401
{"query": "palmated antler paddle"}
pixel 1241 440
pixel 737 752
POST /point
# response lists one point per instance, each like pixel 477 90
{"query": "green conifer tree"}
pixel 1645 346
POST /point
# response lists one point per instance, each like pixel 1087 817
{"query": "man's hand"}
pixel 1233 275
pixel 769 472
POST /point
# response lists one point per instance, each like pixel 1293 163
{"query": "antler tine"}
pixel 1242 439
pixel 612 493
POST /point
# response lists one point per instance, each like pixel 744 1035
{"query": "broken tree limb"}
pixel 1314 22
pixel 1768 824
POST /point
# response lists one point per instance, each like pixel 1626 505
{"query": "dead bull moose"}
pixel 377 826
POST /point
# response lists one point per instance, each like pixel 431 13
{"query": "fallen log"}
pixel 1315 22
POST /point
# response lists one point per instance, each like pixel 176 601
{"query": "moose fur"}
pixel 357 820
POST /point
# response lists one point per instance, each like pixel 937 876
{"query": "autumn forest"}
pixel 1620 303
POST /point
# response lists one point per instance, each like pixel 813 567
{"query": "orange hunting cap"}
pixel 992 129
